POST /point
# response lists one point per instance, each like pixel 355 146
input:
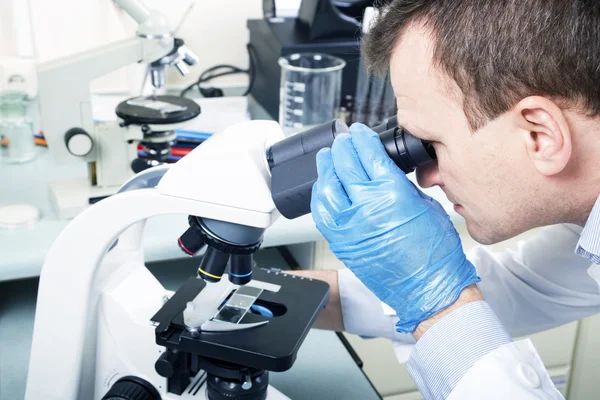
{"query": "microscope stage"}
pixel 272 346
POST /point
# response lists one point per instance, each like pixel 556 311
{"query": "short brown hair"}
pixel 501 51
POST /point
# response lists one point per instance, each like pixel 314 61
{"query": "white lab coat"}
pixel 538 285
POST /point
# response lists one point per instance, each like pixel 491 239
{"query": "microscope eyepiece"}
pixel 407 151
pixel 293 160
pixel 386 125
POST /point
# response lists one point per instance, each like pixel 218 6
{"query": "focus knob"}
pixel 78 142
pixel 167 364
pixel 132 388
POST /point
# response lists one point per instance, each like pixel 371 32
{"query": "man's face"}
pixel 486 174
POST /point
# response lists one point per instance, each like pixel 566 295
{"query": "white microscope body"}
pixel 94 305
pixel 65 103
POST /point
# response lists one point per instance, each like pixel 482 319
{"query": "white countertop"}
pixel 22 251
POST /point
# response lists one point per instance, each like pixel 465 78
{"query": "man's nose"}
pixel 429 175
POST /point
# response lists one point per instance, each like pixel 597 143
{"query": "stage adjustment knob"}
pixel 132 388
pixel 167 364
pixel 78 142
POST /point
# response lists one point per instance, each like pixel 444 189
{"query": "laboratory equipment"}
pixel 18 74
pixel 96 298
pixel 157 117
pixel 13 104
pixel 322 26
pixel 375 96
pixel 16 128
pixel 310 90
pixel 17 216
pixel 108 147
pixel 16 140
pixel 293 161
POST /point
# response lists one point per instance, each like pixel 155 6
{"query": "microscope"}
pixel 105 328
pixel 110 148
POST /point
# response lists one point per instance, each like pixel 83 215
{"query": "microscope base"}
pixel 70 197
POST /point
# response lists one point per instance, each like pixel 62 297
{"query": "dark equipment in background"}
pixel 157 142
pixel 322 26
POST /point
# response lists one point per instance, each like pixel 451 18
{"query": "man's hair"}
pixel 501 51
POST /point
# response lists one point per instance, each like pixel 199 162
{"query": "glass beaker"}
pixel 16 129
pixel 310 90
pixel 16 140
pixel 13 104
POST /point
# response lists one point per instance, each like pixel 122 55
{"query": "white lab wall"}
pixel 214 29
pixel 15 29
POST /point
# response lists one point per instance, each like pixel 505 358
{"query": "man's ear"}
pixel 546 133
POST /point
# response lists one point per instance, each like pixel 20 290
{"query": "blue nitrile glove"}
pixel 398 241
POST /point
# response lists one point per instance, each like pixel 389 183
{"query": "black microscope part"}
pixel 219 253
pixel 387 124
pixel 213 265
pixel 224 389
pixel 175 366
pixel 190 242
pixel 301 144
pixel 293 160
pixel 194 238
pixel 168 363
pixel 132 388
pixel 141 164
pixel 237 356
pixel 136 114
pixel 158 151
pixel 240 269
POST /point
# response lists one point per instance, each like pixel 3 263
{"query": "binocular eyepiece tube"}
pixel 293 160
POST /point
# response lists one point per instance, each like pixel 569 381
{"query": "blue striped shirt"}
pixel 589 242
pixel 454 344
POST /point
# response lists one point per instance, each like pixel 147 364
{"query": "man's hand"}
pixel 399 242
pixel 330 318
pixel 467 296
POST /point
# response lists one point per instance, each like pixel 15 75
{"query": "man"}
pixel 508 93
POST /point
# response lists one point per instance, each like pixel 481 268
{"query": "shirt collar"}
pixel 589 242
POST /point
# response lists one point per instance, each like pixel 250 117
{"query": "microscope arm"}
pixel 67 296
pixel 135 9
